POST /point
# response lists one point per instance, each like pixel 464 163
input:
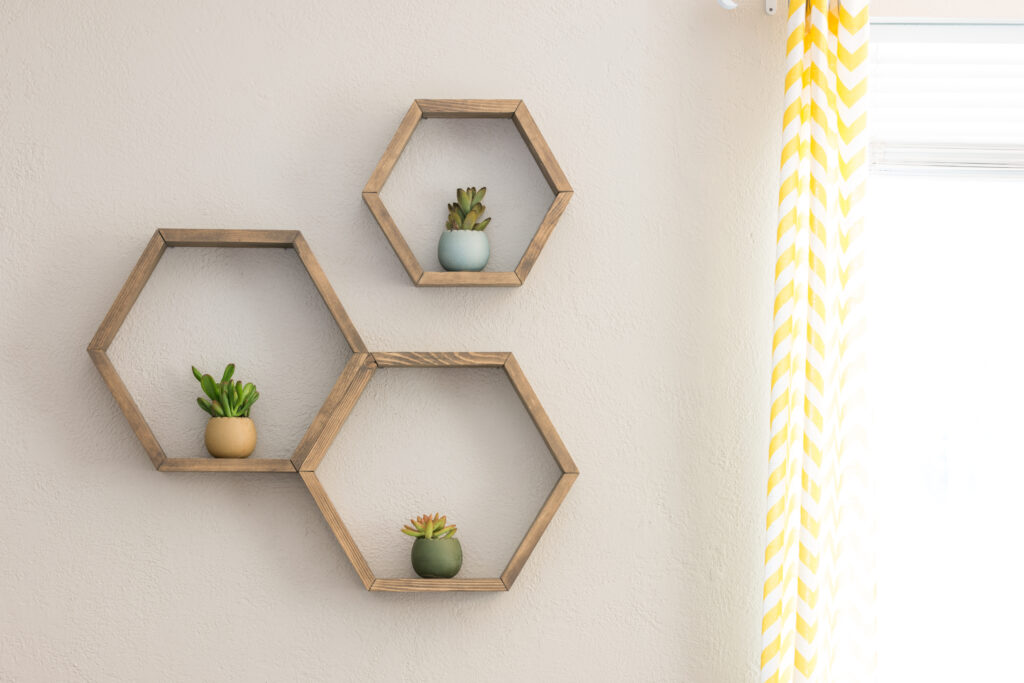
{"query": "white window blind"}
pixel 947 97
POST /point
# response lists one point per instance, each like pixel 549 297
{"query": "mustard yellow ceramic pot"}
pixel 230 437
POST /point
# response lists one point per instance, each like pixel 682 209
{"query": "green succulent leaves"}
pixel 227 398
pixel 209 388
pixel 464 213
pixel 430 526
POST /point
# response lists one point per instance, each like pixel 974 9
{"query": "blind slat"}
pixel 948 97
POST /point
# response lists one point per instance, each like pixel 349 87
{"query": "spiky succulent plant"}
pixel 431 527
pixel 227 398
pixel 464 214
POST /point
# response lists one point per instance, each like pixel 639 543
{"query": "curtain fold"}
pixel 819 583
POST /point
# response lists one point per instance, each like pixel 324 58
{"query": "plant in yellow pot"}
pixel 230 433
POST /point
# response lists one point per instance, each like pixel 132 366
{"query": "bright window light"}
pixel 946 358
pixel 945 273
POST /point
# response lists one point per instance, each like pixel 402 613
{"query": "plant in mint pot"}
pixel 230 433
pixel 464 244
pixel 436 553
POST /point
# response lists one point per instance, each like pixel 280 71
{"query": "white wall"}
pixel 644 328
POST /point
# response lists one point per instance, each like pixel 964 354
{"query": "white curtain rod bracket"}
pixel 769 5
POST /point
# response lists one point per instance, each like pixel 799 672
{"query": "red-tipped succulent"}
pixel 427 526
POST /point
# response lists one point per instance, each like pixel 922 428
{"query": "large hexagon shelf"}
pixel 133 286
pixel 341 410
pixel 464 109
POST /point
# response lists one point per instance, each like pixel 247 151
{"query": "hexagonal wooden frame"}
pixel 468 109
pixel 343 408
pixel 130 292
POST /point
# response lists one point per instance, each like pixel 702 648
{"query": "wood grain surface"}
pixel 175 237
pixel 338 528
pixel 468 109
pixel 433 278
pixel 341 385
pixel 130 290
pixel 339 413
pixel 212 464
pixel 539 416
pixel 323 286
pixel 128 407
pixel 536 530
pixel 394 236
pixel 437 359
pixel 394 150
pixel 437 585
pixel 540 238
pixel 539 149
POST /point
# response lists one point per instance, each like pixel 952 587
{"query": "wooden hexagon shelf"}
pixel 288 239
pixel 469 109
pixel 342 409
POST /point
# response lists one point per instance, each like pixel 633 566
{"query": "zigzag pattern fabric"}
pixel 819 584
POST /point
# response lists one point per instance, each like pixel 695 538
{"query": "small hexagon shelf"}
pixel 468 109
pixel 368 363
pixel 133 286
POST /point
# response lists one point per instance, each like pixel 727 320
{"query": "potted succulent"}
pixel 230 433
pixel 436 553
pixel 464 244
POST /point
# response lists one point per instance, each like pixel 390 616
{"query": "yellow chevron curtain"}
pixel 819 586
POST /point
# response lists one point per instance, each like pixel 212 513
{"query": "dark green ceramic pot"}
pixel 437 558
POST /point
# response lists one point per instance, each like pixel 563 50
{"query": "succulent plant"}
pixel 227 398
pixel 464 214
pixel 431 527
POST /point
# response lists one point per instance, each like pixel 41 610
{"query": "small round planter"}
pixel 437 558
pixel 467 250
pixel 230 437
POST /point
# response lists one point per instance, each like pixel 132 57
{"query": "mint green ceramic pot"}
pixel 463 250
pixel 437 558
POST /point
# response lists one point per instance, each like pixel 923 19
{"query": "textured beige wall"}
pixel 644 329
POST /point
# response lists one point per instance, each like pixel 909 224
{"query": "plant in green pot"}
pixel 436 553
pixel 230 433
pixel 464 244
